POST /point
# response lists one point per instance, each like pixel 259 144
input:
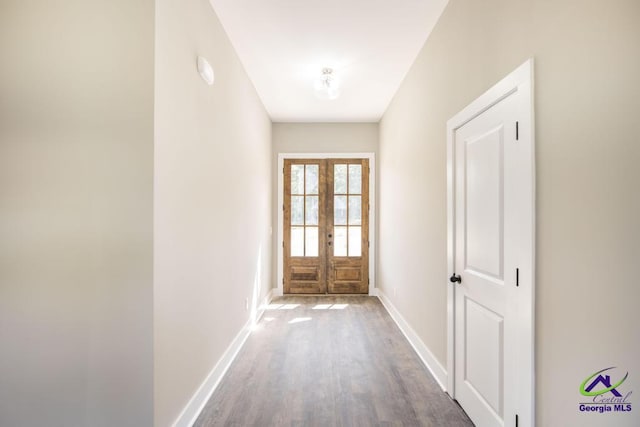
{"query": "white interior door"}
pixel 492 199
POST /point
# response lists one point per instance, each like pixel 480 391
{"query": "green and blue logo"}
pixel 604 392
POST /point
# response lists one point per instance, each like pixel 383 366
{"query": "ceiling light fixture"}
pixel 327 86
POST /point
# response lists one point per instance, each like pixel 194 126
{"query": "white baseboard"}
pixel 190 413
pixel 267 299
pixel 429 360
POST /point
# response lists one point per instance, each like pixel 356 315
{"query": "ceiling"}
pixel 285 44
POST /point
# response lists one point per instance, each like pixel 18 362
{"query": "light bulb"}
pixel 327 86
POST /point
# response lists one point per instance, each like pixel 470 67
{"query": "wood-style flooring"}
pixel 329 361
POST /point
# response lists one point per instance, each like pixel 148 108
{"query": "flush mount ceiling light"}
pixel 327 86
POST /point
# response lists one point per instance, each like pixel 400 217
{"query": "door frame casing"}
pixel 279 290
pixel 520 80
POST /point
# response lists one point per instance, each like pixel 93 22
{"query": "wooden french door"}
pixel 326 226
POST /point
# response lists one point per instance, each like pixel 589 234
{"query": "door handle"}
pixel 455 278
pixel 329 243
pixel 330 235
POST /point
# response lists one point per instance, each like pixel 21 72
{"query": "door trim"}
pixel 520 80
pixel 372 213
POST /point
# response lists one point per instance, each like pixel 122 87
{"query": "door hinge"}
pixel 282 170
pixel 282 207
pixel 283 243
pixel 516 420
pixel 517 277
pixel 283 280
pixel 517 131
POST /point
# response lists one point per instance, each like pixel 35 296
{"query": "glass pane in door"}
pixel 355 241
pixel 297 241
pixel 340 210
pixel 355 210
pixel 297 210
pixel 311 241
pixel 311 210
pixel 297 179
pixel 340 241
pixel 312 173
pixel 355 179
pixel 340 179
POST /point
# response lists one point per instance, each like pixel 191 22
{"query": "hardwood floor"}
pixel 329 361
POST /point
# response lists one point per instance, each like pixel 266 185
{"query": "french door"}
pixel 326 226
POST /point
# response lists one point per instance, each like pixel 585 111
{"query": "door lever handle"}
pixel 455 278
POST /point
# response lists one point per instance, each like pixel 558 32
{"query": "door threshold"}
pixel 325 295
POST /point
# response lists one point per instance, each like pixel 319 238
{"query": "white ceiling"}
pixel 284 44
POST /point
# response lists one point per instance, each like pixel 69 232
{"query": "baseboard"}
pixel 429 360
pixel 193 409
pixel 267 300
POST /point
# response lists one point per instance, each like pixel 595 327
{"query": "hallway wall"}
pixel 588 204
pixel 316 138
pixel 76 176
pixel 212 202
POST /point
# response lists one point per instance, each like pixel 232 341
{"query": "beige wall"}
pixel 76 161
pixel 324 138
pixel 587 153
pixel 316 138
pixel 212 202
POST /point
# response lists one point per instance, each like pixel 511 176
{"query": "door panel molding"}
pixel 279 289
pixel 519 358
